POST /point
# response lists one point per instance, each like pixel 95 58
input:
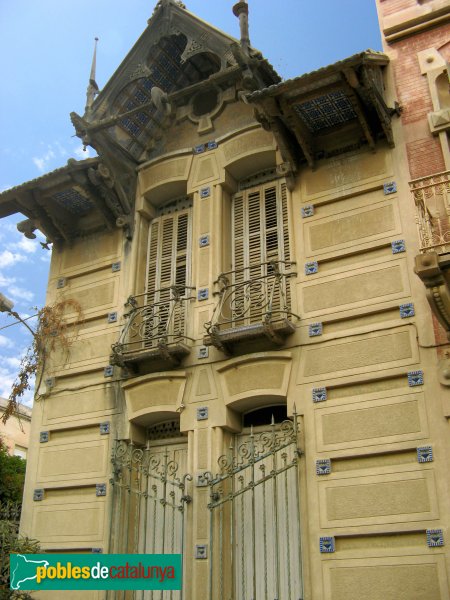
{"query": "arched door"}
pixel 255 518
pixel 149 499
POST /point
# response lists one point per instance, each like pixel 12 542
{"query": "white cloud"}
pixel 8 227
pixel 43 161
pixel 62 151
pixel 28 398
pixel 26 245
pixel 4 188
pixel 7 378
pixel 9 233
pixel 19 293
pixel 81 153
pixel 13 362
pixel 8 259
pixel 8 375
pixel 5 342
pixel 6 281
pixel 56 150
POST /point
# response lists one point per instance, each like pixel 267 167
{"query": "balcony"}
pixel 155 330
pixel 253 302
pixel 432 199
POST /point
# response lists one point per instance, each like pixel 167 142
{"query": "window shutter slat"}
pixel 167 266
pixel 260 235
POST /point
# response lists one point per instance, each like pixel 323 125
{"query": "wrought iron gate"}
pixel 255 520
pixel 149 502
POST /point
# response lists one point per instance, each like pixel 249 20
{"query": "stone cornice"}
pixel 415 20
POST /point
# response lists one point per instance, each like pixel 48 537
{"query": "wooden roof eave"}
pixel 34 200
pixel 271 117
pixel 57 177
pixel 304 137
pixel 61 219
pixel 46 222
pixel 26 203
pixel 360 113
pixel 384 112
pixel 19 199
pixel 315 80
pixel 354 78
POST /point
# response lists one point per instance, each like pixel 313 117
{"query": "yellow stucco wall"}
pixel 378 500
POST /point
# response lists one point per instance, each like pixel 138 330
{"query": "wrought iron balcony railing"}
pixel 155 327
pixel 432 197
pixel 252 302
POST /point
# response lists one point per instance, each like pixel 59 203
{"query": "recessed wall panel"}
pixel 376 499
pixel 343 230
pixel 72 522
pixel 337 175
pixel 90 250
pixel 378 282
pixel 62 462
pixel 358 354
pixel 84 404
pixel 412 578
pixel 378 422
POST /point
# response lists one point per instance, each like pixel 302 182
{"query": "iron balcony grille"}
pixel 253 301
pixel 432 198
pixel 155 326
pixel 255 529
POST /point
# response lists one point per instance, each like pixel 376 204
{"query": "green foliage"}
pixel 10 542
pixel 12 476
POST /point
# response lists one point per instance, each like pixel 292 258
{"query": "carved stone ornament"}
pixel 439 120
pixel 141 70
pixel 160 100
pixel 101 178
pixel 444 372
pixel 193 46
pixel 167 3
pixel 433 275
pixel 27 227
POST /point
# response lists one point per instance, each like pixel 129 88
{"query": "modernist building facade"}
pixel 260 379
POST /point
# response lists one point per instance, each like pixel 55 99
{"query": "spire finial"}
pixel 92 89
pixel 241 11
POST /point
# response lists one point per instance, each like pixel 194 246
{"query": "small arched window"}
pixel 265 416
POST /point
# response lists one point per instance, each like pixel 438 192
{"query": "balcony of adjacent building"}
pixel 432 199
pixel 154 336
pixel 253 308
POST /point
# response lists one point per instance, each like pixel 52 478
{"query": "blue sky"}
pixel 46 51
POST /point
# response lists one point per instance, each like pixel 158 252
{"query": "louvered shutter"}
pixel 167 266
pixel 260 235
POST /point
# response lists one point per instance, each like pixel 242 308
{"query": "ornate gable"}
pixel 176 53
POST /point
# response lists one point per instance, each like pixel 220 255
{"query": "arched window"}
pixel 265 416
